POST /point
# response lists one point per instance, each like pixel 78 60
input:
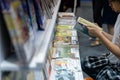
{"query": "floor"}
pixel 85 11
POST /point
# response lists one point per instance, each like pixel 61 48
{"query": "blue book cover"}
pixel 38 14
pixel 81 28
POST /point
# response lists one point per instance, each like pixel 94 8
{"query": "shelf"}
pixel 39 59
pixel 43 42
pixel 9 66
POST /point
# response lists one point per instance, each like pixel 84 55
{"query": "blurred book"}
pixel 63 33
pixel 19 32
pixel 58 27
pixel 66 69
pixel 39 16
pixel 81 28
pixel 66 40
pixel 66 51
pixel 66 18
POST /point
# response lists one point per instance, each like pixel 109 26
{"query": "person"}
pixel 97 6
pixel 109 17
pixel 107 66
pixel 103 14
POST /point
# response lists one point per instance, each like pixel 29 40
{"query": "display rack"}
pixel 42 43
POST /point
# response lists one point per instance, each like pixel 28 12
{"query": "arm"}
pixel 108 36
pixel 115 49
pixel 106 40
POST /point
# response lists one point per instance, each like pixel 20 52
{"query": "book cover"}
pixel 58 27
pixel 63 33
pixel 65 75
pixel 66 51
pixel 81 28
pixel 66 69
pixel 32 15
pixel 28 19
pixel 82 25
pixel 47 68
pixel 16 24
pixel 39 16
pixel 66 40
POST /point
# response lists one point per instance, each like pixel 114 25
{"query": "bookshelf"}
pixel 42 43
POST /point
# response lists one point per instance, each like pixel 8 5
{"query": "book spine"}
pixel 38 15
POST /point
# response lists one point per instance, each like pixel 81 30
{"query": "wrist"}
pixel 100 32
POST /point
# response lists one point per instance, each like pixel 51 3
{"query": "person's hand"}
pixel 94 30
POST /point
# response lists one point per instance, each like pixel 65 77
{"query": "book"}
pixel 81 28
pixel 14 17
pixel 65 27
pixel 66 51
pixel 47 68
pixel 82 24
pixel 66 69
pixel 65 15
pixel 39 17
pixel 87 23
pixel 63 33
pixel 32 15
pixel 66 40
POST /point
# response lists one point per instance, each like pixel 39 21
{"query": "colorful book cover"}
pixel 58 27
pixel 15 20
pixel 63 32
pixel 65 75
pixel 66 69
pixel 67 40
pixel 28 19
pixel 65 52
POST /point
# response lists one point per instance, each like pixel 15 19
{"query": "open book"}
pixel 87 23
pixel 82 24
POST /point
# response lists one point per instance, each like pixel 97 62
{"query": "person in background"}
pixel 97 11
pixel 107 66
pixel 97 6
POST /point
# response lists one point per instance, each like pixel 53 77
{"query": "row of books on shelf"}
pixel 63 55
pixel 23 19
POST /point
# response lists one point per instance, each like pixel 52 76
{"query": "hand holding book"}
pixel 87 23
pixel 88 27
